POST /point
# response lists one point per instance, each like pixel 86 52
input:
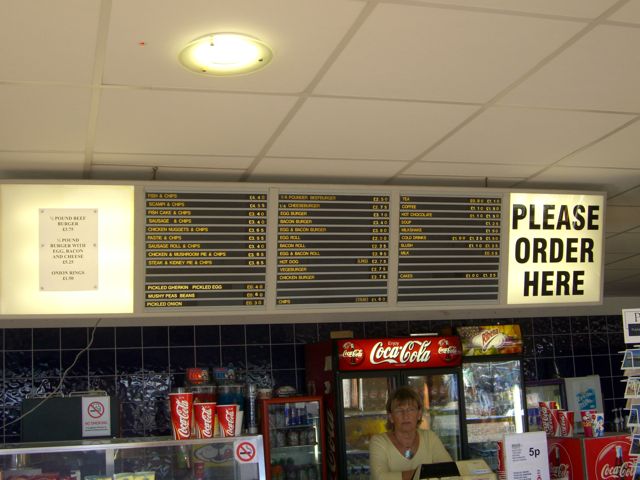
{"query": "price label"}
pixel 525 456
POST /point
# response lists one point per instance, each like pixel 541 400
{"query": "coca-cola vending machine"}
pixel 355 377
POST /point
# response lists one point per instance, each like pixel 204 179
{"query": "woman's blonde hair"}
pixel 403 396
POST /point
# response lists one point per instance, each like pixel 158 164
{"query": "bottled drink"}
pixel 277 472
pixel 619 460
pixel 617 420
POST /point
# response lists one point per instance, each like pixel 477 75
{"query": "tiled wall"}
pixel 140 365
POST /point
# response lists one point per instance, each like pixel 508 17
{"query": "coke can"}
pixel 181 405
pixel 204 416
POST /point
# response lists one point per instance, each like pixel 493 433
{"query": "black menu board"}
pixel 332 248
pixel 205 249
pixel 448 248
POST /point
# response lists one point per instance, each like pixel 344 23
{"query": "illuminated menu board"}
pixel 449 248
pixel 205 249
pixel 332 248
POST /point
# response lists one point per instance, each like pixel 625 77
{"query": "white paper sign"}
pixel 555 248
pixel 96 417
pixel 631 322
pixel 68 249
pixel 525 456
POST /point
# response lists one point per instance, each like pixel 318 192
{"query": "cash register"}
pixel 461 470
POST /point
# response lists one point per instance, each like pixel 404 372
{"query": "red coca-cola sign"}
pixel 565 459
pixel 608 458
pixel 392 353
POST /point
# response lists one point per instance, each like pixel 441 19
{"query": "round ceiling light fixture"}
pixel 224 54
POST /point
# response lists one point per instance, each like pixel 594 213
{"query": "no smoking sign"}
pixel 95 409
pixel 96 416
pixel 245 451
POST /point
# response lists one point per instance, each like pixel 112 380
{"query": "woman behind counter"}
pixel 396 454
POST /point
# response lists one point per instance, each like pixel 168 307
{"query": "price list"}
pixel 205 249
pixel 449 248
pixel 332 249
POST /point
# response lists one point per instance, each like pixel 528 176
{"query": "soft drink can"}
pixel 181 406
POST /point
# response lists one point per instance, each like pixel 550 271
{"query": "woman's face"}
pixel 404 416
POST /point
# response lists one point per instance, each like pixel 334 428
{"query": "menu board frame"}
pixel 391 308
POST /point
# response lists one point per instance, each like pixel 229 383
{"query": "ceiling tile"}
pixel 441 54
pixel 629 286
pixel 121 172
pixel 623 243
pixel 600 71
pixel 36 165
pixel 611 180
pixel 302 35
pixel 627 197
pixel 618 150
pixel 199 174
pixel 187 123
pixel 182 161
pixel 39 117
pixel 523 136
pixel 621 219
pixel 46 41
pixel 327 170
pixel 571 8
pixel 471 169
pixel 436 181
pixel 630 12
pixel 628 262
pixel 613 258
pixel 366 129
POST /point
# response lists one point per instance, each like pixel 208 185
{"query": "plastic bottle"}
pixel 290 470
pixel 277 472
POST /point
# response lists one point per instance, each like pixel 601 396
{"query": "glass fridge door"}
pixel 494 405
pixel 364 401
pixel 439 394
pixel 293 433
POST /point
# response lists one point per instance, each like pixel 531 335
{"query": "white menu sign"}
pixel 68 249
pixel 525 456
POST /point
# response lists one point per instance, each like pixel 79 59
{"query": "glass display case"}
pixel 494 404
pixel 293 431
pixel 158 458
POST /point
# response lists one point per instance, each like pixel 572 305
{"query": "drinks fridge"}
pixel 355 377
pixel 294 433
pixel 494 398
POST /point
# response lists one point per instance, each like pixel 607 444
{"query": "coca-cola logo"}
pixel 413 351
pixel 182 411
pixel 230 419
pixel 207 422
pixel 559 471
pixel 610 463
pixel 331 450
pixel 351 352
pixel 446 350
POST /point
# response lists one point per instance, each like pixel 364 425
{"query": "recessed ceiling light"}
pixel 224 54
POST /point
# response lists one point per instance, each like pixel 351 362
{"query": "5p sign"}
pixel 525 456
pixel 555 248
